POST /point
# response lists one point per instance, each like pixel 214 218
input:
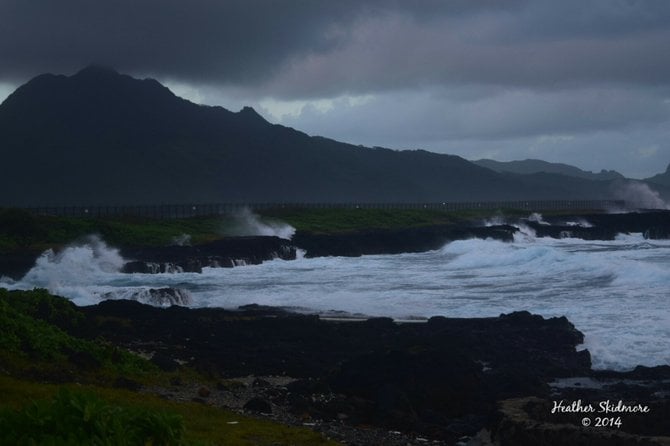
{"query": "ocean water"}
pixel 616 292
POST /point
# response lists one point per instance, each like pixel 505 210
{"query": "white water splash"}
pixel 641 195
pixel 182 240
pixel 580 222
pixel 537 218
pixel 245 222
pixel 79 264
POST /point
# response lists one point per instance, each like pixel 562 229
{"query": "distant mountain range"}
pixel 662 179
pixel 100 137
pixel 532 166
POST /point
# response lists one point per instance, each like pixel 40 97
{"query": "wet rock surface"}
pixel 603 226
pixel 395 241
pixel 238 251
pixel 444 380
pixel 162 297
pixel 226 252
pixel 652 224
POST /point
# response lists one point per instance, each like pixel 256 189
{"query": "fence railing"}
pixel 168 211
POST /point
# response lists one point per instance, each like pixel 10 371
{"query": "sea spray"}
pixel 245 222
pixel 580 222
pixel 79 263
pixel 524 234
pixel 496 220
pixel 537 218
pixel 72 271
pixel 641 196
pixel 182 240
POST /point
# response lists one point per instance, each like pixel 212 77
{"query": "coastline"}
pixel 234 251
pixel 475 381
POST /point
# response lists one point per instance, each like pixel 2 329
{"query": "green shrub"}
pixel 31 322
pixel 39 304
pixel 80 418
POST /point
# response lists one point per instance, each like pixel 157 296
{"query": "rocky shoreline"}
pixel 226 253
pixel 446 381
pixel 481 381
pixel 238 251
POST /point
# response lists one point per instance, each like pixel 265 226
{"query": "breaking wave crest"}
pixel 245 222
pixel 79 264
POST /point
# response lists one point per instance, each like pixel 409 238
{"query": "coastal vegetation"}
pixel 22 230
pixel 342 220
pixel 60 388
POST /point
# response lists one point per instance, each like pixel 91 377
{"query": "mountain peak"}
pixel 96 70
pixel 250 114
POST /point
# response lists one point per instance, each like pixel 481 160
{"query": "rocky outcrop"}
pixel 163 297
pixel 226 252
pixel 529 421
pixel 602 408
pixel 652 224
pixel 380 241
pixel 441 378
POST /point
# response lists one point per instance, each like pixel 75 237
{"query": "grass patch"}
pixel 202 424
pixel 36 344
pixel 324 221
pixel 20 230
pixel 83 418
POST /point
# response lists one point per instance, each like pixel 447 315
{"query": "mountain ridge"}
pixel 100 137
pixel 533 166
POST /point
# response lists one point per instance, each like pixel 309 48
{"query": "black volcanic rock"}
pixel 397 241
pixel 441 378
pixel 226 252
pixel 99 137
pixel 651 224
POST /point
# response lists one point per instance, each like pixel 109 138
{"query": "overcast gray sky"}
pixel 584 82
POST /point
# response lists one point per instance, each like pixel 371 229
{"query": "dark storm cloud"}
pixel 243 41
pixel 195 40
pixel 319 48
pixel 530 47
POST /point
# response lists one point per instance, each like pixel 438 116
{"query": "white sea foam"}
pixel 496 220
pixel 613 291
pixel 579 222
pixel 83 263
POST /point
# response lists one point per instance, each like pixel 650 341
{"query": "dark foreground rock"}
pixel 453 381
pixel 226 252
pixel 529 422
pixel 441 379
